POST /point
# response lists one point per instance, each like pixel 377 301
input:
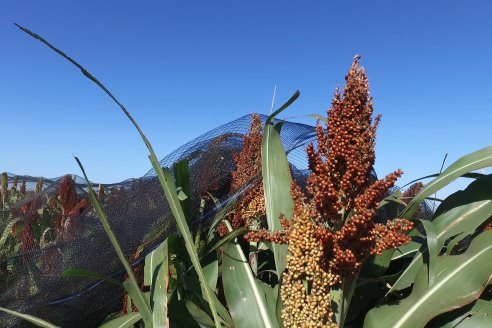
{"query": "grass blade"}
pixel 131 284
pixel 247 302
pixel 431 239
pixel 156 275
pixel 468 163
pixel 182 177
pixel 166 181
pixel 32 319
pixel 276 181
pixel 464 211
pixel 127 321
pixel 460 280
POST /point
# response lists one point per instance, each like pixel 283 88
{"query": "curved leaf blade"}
pixel 32 319
pixel 166 181
pixel 476 315
pixel 276 181
pixel 247 302
pixel 126 321
pixel 468 163
pixel 131 284
pixel 474 207
pixel 460 279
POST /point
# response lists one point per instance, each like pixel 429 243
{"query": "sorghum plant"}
pixel 333 230
pixel 250 210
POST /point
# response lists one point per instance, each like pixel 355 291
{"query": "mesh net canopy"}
pixel 49 227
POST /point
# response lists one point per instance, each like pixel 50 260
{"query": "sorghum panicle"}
pixel 39 185
pixel 23 186
pixel 15 181
pixel 250 210
pixel 333 230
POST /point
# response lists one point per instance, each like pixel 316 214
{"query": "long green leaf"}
pixel 476 315
pixel 367 287
pixel 180 316
pixel 246 300
pixel 166 182
pixel 126 321
pixel 406 250
pixel 460 279
pixel 153 260
pixel 182 177
pixel 194 287
pixel 156 275
pixel 131 284
pixel 433 248
pixel 468 163
pixel 276 181
pixel 342 297
pixel 159 296
pixel 231 235
pixel 472 207
pixel 211 272
pixel 38 322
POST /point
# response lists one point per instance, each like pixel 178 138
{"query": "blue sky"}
pixel 185 67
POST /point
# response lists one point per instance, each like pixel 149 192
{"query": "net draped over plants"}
pixel 49 226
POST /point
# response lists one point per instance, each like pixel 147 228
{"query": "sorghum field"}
pixel 232 233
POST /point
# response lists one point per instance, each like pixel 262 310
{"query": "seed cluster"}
pixel 4 187
pixel 410 193
pixel 278 237
pixel 71 206
pixel 305 290
pixel 250 210
pixel 333 230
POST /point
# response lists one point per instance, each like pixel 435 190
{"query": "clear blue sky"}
pixel 185 67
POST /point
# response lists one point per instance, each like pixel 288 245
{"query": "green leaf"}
pixel 276 182
pixel 217 218
pixel 167 184
pixel 372 270
pixel 182 178
pixel 155 258
pixel 472 209
pixel 131 285
pixel 406 250
pixel 139 299
pixel 91 275
pixel 247 302
pixel 230 236
pixel 342 297
pixel 194 287
pixel 164 177
pixel 270 298
pixel 433 248
pixel 460 279
pixel 180 316
pixel 468 163
pixel 159 296
pixel 156 275
pixel 211 272
pixel 475 315
pixel 38 322
pixel 126 321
